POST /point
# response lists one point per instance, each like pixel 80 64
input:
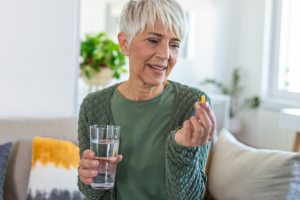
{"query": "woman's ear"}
pixel 123 42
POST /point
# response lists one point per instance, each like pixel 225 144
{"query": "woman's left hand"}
pixel 197 130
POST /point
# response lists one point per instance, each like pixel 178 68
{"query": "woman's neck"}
pixel 140 91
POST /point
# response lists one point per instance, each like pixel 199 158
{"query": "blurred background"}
pixel 247 49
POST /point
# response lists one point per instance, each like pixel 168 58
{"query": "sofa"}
pixel 21 132
pixel 235 171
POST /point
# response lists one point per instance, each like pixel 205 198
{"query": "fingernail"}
pixel 94 172
pixel 91 154
pixel 95 162
pixel 206 104
pixel 198 105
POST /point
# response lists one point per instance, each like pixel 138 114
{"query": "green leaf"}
pixel 98 50
pixel 116 75
pixel 255 102
pixel 88 75
pixel 98 54
pixel 97 69
pixel 101 35
pixel 123 70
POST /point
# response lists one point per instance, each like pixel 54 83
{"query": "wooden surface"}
pixel 289 119
pixel 296 142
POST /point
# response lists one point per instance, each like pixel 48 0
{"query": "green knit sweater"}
pixel 185 177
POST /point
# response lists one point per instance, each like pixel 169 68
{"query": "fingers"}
pixel 86 174
pixel 212 133
pixel 84 171
pixel 87 181
pixel 88 154
pixel 199 129
pixel 198 132
pixel 212 118
pixel 119 158
pixel 187 129
pixel 183 135
pixel 86 163
pixel 205 120
pixel 207 117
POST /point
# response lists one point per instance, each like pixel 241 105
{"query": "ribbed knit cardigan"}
pixel 185 177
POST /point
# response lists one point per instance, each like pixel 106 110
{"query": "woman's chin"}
pixel 154 81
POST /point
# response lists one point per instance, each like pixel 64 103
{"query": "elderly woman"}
pixel 165 129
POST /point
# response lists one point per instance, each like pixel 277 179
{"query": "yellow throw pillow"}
pixel 53 172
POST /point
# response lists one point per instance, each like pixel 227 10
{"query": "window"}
pixel 289 52
pixel 285 50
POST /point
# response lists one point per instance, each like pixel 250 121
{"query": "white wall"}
pixel 38 57
pixel 240 44
pixel 192 72
pixel 251 59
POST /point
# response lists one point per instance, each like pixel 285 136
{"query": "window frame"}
pixel 272 55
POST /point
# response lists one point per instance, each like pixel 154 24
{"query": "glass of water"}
pixel 104 141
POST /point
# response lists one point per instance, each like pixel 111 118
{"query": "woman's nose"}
pixel 163 52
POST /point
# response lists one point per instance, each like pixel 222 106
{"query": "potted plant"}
pixel 237 105
pixel 102 60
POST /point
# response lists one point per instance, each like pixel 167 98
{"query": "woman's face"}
pixel 153 54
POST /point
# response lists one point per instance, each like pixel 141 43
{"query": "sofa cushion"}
pixel 4 152
pixel 17 175
pixel 53 172
pixel 242 172
pixel 21 131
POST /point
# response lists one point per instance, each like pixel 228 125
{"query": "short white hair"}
pixel 136 14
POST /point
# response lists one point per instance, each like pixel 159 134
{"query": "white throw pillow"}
pixel 240 172
pixel 53 174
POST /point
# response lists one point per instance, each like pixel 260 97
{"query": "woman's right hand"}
pixel 86 163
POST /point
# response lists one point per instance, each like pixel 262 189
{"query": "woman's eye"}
pixel 175 45
pixel 153 41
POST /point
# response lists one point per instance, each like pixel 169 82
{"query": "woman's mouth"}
pixel 156 67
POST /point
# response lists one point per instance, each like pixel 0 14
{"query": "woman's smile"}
pixel 157 69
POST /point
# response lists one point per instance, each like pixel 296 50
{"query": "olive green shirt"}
pixel 140 174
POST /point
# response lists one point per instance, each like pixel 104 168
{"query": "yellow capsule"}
pixel 202 98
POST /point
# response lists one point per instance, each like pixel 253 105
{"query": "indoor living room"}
pixel 242 53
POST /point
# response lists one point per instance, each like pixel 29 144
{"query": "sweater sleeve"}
pixel 84 144
pixel 185 170
pixel 185 177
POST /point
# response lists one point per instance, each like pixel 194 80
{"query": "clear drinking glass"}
pixel 104 141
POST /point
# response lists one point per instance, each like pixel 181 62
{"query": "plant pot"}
pixel 101 78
